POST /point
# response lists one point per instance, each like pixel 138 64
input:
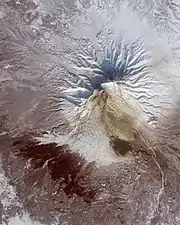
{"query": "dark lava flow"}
pixel 121 147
